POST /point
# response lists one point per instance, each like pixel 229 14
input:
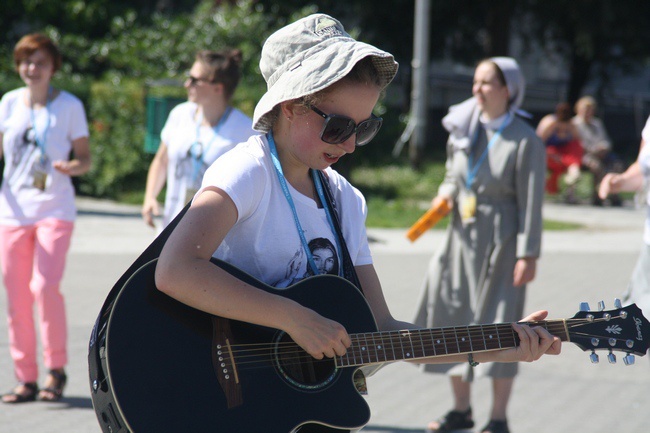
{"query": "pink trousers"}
pixel 32 259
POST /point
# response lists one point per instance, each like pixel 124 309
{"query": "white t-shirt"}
pixel 21 203
pixel 184 172
pixel 644 163
pixel 264 241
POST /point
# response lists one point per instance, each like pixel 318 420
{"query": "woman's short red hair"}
pixel 33 42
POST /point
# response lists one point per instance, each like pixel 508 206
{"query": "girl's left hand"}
pixel 534 341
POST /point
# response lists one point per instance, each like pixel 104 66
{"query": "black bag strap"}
pixel 348 266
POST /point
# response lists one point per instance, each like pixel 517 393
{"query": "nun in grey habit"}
pixel 499 166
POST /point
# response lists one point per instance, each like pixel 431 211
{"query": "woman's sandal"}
pixel 453 420
pixel 495 426
pixel 24 395
pixel 54 392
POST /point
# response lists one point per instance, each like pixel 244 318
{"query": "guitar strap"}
pixel 348 266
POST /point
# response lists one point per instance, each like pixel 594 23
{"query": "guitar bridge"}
pixel 223 362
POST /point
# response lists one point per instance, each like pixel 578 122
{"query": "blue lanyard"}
pixel 287 195
pixel 40 140
pixel 197 149
pixel 472 169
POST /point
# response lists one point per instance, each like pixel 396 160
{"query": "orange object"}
pixel 428 220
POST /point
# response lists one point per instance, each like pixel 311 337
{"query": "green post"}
pixel 158 108
pixel 161 96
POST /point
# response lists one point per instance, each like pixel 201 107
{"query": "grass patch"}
pixel 560 225
pixel 400 214
pixel 396 214
pixel 398 195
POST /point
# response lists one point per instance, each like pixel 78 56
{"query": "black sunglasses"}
pixel 194 80
pixel 339 128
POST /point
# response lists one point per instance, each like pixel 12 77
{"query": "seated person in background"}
pixel 563 150
pixel 598 157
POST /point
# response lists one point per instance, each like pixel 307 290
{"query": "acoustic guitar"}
pixel 166 367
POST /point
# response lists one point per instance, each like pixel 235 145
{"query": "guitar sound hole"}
pixel 301 369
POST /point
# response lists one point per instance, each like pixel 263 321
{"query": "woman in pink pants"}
pixel 40 127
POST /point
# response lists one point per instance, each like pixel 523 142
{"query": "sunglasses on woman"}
pixel 338 128
pixel 196 80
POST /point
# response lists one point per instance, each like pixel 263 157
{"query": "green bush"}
pixel 137 58
pixel 117 129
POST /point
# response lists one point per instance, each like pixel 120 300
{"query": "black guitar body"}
pixel 162 362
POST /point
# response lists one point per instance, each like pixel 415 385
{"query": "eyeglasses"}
pixel 195 80
pixel 338 128
pixel 37 64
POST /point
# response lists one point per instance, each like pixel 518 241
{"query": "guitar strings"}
pixel 366 348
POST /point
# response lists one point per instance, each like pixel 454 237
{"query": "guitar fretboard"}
pixel 387 346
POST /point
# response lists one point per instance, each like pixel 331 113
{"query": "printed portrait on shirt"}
pixel 325 259
pixel 24 148
pixel 192 167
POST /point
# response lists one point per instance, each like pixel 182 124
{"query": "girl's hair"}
pixel 563 112
pixel 33 42
pixel 223 67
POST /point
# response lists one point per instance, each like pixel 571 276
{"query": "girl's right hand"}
pixel 150 208
pixel 317 335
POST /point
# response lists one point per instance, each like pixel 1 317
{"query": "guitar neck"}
pixel 379 347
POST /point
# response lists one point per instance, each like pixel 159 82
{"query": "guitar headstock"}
pixel 623 329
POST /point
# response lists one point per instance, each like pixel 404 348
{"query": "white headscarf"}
pixel 462 118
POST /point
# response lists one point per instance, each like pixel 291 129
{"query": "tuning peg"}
pixel 584 306
pixel 594 357
pixel 628 359
pixel 617 303
pixel 601 305
pixel 611 358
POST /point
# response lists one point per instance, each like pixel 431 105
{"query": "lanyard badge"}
pixel 467 197
pixel 42 165
pixel 467 200
pixel 40 171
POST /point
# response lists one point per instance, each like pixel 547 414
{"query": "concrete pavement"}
pixel 557 394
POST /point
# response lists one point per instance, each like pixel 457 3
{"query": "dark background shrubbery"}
pixel 119 54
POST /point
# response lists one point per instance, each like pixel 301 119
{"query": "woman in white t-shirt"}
pixel 635 178
pixel 196 133
pixel 262 203
pixel 40 127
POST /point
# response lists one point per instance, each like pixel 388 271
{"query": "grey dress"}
pixel 470 278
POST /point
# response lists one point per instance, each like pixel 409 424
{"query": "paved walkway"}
pixel 558 394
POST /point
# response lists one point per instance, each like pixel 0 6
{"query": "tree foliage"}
pixel 139 43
